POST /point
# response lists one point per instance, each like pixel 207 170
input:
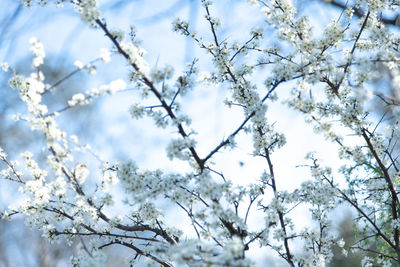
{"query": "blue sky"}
pixel 118 136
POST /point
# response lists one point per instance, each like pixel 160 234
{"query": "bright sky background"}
pixel 119 137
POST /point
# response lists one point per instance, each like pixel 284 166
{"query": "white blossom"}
pixel 78 64
pixel 38 50
pixel 81 172
pixel 4 66
pixel 105 55
pixel 78 99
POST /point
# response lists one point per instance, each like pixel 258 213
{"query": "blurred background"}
pixel 106 124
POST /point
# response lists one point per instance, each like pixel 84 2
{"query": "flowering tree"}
pixel 322 73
